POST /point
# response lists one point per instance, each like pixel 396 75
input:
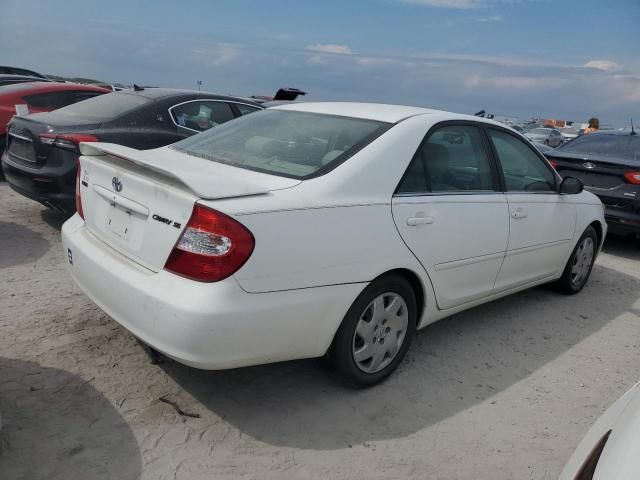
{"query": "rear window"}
pixel 104 107
pixel 604 145
pixel 286 143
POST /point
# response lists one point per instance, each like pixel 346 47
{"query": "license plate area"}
pixel 119 222
pixel 21 148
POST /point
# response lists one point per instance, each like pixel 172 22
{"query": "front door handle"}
pixel 519 214
pixel 415 221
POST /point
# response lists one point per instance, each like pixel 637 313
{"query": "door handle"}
pixel 519 214
pixel 415 221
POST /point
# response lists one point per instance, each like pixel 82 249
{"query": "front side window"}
pixel 524 170
pixel 452 159
pixel 284 142
pixel 202 115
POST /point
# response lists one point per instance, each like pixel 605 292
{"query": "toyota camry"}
pixel 329 230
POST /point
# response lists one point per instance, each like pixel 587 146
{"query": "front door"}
pixel 541 221
pixel 451 214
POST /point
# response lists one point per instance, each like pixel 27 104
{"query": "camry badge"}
pixel 589 165
pixel 116 183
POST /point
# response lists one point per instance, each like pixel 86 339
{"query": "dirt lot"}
pixel 503 391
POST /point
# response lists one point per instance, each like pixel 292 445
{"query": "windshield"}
pixel 282 142
pixel 540 131
pixel 104 107
pixel 604 145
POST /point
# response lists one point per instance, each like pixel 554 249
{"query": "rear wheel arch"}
pixel 416 285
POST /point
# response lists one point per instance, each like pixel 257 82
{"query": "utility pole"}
pixel 199 84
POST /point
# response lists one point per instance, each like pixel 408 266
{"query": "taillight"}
pixel 212 246
pixel 633 177
pixel 553 163
pixel 68 141
pixel 78 192
pixel 588 468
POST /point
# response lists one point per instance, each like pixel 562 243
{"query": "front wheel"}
pixel 376 332
pixel 578 267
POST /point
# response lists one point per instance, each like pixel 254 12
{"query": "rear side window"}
pixel 105 107
pixel 524 170
pixel 452 159
pixel 284 142
pixel 201 115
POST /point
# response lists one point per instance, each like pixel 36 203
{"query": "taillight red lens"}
pixel 78 192
pixel 69 141
pixel 212 246
pixel 633 177
pixel 553 163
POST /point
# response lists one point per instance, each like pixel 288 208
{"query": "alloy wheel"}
pixel 582 261
pixel 380 332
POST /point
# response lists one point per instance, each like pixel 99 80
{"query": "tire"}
pixel 358 352
pixel 578 268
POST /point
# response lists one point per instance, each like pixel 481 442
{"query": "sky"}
pixel 564 59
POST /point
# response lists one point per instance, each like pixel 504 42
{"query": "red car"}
pixel 40 97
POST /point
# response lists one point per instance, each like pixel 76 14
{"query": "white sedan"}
pixel 611 448
pixel 322 229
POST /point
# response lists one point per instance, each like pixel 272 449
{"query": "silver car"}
pixel 546 136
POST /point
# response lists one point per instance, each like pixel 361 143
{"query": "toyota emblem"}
pixel 116 183
pixel 589 165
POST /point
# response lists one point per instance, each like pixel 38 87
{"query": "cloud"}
pixel 490 18
pixel 216 54
pixel 604 65
pixel 330 48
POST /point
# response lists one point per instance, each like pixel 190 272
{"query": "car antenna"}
pixel 633 132
pixel 137 88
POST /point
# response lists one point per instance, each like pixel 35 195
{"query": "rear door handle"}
pixel 415 221
pixel 519 214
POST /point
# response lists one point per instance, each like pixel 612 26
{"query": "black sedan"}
pixel 42 149
pixel 608 163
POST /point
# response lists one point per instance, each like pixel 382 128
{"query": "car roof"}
pixel 45 86
pixel 371 111
pixel 155 93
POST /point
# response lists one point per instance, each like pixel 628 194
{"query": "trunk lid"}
pixel 593 171
pixel 24 144
pixel 139 202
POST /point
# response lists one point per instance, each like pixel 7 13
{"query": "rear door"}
pixel 197 116
pixel 451 214
pixel 541 221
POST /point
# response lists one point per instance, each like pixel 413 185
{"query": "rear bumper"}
pixel 621 208
pixel 204 325
pixel 53 187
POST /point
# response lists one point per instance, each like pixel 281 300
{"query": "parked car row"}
pixel 42 149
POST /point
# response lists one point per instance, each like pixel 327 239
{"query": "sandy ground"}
pixel 503 391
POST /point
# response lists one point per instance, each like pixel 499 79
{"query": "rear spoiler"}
pixel 207 179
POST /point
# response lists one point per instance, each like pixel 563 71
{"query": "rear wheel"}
pixel 376 332
pixel 578 268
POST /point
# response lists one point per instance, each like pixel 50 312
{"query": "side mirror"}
pixel 571 186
